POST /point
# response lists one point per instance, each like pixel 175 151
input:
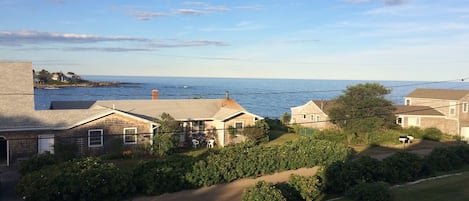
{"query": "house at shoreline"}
pixel 444 109
pixel 98 127
pixel 25 131
pixel 210 117
pixel 313 114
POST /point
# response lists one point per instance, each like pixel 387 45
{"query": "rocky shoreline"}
pixel 87 84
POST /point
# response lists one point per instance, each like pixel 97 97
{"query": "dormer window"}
pixel 407 101
pixel 465 107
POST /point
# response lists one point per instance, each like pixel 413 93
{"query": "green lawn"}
pixel 454 188
pixel 280 137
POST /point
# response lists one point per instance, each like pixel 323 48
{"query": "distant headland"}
pixel 52 80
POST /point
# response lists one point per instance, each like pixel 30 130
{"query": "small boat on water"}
pixel 51 88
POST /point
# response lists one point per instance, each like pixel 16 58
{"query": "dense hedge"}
pixel 251 161
pixel 165 175
pixel 231 163
pixel 37 162
pixel 84 179
pixel 261 191
pixel 342 176
pixel 309 188
pixel 370 192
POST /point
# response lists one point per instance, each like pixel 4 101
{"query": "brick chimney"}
pixel 154 94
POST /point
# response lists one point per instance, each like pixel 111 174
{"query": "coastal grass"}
pixel 281 137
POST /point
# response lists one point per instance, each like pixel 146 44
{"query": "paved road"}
pixel 9 176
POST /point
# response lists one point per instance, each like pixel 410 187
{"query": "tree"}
pixel 257 133
pixel 43 76
pixel 285 118
pixel 164 140
pixel 363 109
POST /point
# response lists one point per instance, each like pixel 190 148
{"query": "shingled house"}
pixel 210 117
pixel 445 109
pixel 313 114
pixel 25 131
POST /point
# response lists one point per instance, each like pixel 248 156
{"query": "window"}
pixel 413 121
pixel 465 107
pixel 312 118
pixel 239 126
pixel 407 101
pixel 452 109
pixel 95 138
pixel 130 135
pixel 399 121
pixel 304 116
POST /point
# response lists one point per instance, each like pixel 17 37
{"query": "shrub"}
pixel 310 188
pixel 162 175
pixel 341 176
pixel 37 162
pixel 402 166
pixel 444 159
pixel 85 179
pixel 65 150
pixel 262 191
pixel 433 134
pixel 378 191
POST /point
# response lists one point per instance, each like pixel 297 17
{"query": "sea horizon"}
pixel 265 97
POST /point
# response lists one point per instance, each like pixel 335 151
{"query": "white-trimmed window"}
pixel 399 121
pixel 95 138
pixel 408 101
pixel 452 109
pixel 239 126
pixel 465 107
pixel 130 135
pixel 304 116
pixel 318 118
pixel 312 118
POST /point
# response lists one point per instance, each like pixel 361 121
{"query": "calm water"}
pixel 265 97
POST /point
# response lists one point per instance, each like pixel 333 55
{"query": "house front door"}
pixel 4 156
pixel 465 133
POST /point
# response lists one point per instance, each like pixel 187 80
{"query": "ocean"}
pixel 265 97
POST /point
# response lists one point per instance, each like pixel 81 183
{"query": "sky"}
pixel 306 39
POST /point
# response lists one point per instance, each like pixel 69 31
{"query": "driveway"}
pixel 9 176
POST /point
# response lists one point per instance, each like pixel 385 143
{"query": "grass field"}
pixel 454 188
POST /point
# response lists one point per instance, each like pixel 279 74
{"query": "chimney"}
pixel 227 95
pixel 322 105
pixel 154 94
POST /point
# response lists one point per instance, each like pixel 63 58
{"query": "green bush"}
pixel 162 175
pixel 385 136
pixel 445 159
pixel 341 176
pixel 416 132
pixel 310 188
pixel 433 134
pixel 244 160
pixel 262 191
pixel 378 191
pixel 85 179
pixel 402 166
pixel 332 135
pixel 37 162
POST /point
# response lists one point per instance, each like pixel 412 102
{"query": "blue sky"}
pixel 310 39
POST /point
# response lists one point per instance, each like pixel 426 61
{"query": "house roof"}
pixel 180 109
pixel 445 94
pixel 416 110
pixel 53 119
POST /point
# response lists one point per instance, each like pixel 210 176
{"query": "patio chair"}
pixel 210 143
pixel 195 143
